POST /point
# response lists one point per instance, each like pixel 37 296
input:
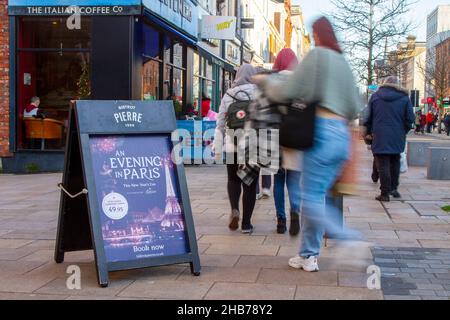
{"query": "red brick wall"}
pixel 4 79
pixel 443 54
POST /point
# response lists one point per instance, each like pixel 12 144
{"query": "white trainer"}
pixel 308 264
pixel 266 193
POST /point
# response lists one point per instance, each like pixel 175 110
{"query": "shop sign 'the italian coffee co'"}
pixel 70 7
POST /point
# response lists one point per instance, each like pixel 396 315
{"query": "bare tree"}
pixel 396 62
pixel 368 27
pixel 437 71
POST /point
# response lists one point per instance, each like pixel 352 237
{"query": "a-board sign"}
pixel 135 211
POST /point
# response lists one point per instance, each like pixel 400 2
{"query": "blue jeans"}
pixel 292 180
pixel 322 165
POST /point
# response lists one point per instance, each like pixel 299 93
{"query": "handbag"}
pixel 298 125
pixel 299 122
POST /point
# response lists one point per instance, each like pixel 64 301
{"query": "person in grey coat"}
pixel 242 89
pixel 391 118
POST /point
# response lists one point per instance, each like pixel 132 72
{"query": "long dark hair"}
pixel 325 32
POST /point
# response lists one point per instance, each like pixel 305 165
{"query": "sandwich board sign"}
pixel 132 204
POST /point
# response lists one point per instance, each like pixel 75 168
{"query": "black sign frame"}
pixel 79 225
pixel 247 23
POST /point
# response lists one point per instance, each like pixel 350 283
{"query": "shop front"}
pixel 101 50
pixel 446 103
pixel 211 77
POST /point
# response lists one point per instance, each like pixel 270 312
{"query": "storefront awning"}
pixel 189 40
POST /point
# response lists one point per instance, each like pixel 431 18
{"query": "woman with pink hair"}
pixel 289 174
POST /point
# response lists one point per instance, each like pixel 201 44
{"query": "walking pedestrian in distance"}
pixel 435 121
pixel 391 118
pixel 325 78
pixel 447 123
pixel 289 174
pixel 241 90
pixel 423 123
pixel 417 121
pixel 430 120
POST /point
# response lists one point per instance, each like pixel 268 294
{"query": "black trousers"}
pixel 375 175
pixel 388 166
pixel 266 182
pixel 235 187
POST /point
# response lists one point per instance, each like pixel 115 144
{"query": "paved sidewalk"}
pixel 234 266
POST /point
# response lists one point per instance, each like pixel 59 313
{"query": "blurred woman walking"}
pixel 324 78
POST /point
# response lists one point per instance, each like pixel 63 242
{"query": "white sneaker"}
pixel 266 193
pixel 259 196
pixel 307 264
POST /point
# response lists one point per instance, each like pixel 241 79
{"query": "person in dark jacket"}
pixel 391 118
pixel 447 123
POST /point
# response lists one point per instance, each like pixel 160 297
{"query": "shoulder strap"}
pixel 234 98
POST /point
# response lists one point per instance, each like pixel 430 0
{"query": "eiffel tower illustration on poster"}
pixel 173 215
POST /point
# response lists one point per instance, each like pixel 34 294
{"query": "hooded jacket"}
pixel 447 121
pixel 390 119
pixel 241 92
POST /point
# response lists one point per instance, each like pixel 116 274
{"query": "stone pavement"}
pixel 235 266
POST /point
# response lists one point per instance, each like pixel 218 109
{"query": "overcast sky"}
pixel 418 13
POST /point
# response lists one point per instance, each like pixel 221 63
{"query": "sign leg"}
pixel 195 266
pixel 103 279
pixel 59 256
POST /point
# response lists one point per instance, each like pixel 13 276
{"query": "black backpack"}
pixel 298 125
pixel 238 112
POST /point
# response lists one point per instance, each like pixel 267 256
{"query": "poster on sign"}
pixel 141 212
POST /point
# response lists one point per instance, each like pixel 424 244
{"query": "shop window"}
pixel 227 80
pixel 53 65
pixel 150 80
pixel 196 101
pixel 173 84
pixel 50 32
pixel 203 85
pixel 152 64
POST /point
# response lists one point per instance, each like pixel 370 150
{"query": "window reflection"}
pixel 152 64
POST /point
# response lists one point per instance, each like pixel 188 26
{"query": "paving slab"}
pixel 250 291
pixel 336 293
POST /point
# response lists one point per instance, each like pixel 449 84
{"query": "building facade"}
pixel 301 41
pixel 438 21
pixel 121 50
pixel 139 50
pixel 408 62
pixel 438 30
pixel 411 56
pixel 4 81
pixel 443 72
